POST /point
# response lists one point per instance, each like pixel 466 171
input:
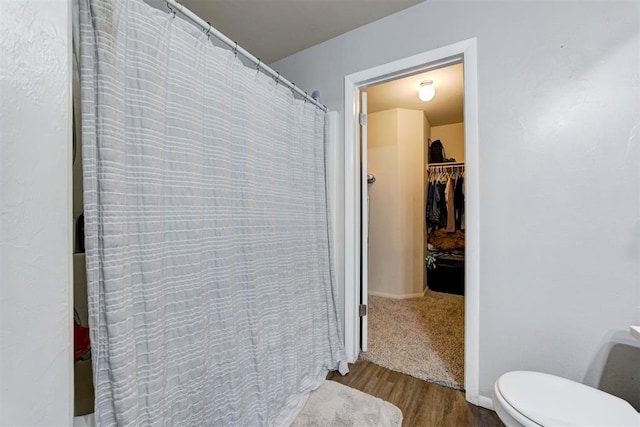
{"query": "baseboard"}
pixel 395 296
pixel 485 402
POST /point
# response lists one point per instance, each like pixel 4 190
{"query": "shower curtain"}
pixel 207 235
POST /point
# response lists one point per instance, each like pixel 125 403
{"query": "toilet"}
pixel 523 398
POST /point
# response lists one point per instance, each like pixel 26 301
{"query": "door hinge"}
pixel 362 310
pixel 363 119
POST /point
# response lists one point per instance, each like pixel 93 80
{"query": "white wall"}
pixel 452 138
pixel 427 138
pixel 36 342
pixel 559 116
pixel 412 206
pixel 396 213
pixel 384 201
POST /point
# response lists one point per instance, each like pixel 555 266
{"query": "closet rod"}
pixel 447 164
pixel 209 29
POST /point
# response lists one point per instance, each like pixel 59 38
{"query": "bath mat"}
pixel 335 405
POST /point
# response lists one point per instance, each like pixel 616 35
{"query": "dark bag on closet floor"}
pixel 436 152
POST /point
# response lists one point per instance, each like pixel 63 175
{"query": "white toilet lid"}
pixel 553 401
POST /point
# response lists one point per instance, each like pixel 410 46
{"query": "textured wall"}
pixel 559 117
pixel 35 214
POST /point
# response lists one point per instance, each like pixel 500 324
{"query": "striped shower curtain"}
pixel 207 236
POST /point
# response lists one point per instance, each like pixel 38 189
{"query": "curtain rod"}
pixel 209 29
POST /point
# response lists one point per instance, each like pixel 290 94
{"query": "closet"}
pixel 445 219
pixel 403 295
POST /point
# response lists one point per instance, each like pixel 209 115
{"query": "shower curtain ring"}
pixel 171 11
pixel 258 66
pixel 306 96
pixel 208 33
pixel 235 49
pixel 278 78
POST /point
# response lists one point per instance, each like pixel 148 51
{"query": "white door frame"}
pixel 465 51
pixel 364 220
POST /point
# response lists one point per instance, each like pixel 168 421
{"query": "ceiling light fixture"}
pixel 427 91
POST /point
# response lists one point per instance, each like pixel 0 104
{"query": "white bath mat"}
pixel 336 405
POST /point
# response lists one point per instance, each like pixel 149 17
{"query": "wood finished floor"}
pixel 421 403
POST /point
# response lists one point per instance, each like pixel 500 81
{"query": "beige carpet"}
pixel 421 337
pixel 336 405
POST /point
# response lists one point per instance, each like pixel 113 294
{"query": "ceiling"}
pixel 445 108
pixel 274 29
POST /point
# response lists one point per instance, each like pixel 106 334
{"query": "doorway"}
pixel 355 287
pixel 412 216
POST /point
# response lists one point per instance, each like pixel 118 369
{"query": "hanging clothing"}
pixel 451 216
pixel 458 202
pixel 433 207
pixel 445 198
pixel 436 206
